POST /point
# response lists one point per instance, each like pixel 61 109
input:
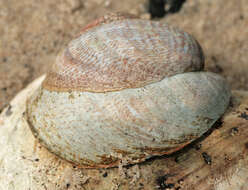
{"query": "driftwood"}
pixel 216 161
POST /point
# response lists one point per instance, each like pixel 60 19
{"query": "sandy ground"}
pixel 32 33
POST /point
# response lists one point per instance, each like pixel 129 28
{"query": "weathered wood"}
pixel 216 161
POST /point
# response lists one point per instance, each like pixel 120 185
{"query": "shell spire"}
pixel 118 52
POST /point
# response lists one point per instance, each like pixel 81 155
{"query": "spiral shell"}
pixel 126 89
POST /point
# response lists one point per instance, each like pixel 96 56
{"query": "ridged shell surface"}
pixel 124 53
pixel 126 89
pixel 99 129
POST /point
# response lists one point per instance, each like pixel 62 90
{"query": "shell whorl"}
pixel 115 53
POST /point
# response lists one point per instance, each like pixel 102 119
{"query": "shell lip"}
pixel 50 87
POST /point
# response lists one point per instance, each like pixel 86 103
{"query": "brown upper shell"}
pixel 114 53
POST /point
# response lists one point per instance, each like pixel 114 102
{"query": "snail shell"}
pixel 126 89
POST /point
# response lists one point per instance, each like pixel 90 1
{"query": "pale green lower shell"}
pixel 131 125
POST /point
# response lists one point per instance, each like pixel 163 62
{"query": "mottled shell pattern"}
pixel 126 89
